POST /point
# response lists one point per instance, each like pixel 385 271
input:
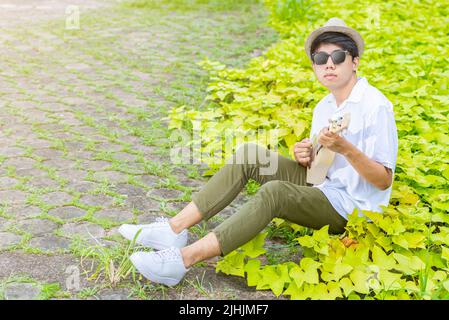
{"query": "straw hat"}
pixel 335 25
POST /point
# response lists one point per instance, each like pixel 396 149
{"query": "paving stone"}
pixel 12 151
pixel 74 145
pixel 116 215
pixel 5 141
pixel 129 190
pixel 133 168
pixel 20 163
pixel 50 243
pixel 140 203
pixel 8 239
pixel 72 174
pixel 44 182
pixel 124 156
pixel 48 153
pixel 84 230
pixel 22 104
pixel 177 206
pixel 111 176
pixel 81 186
pixel 23 211
pixel 109 146
pixel 165 193
pixel 80 154
pixel 96 164
pixel 77 67
pixel 57 198
pixel 7 182
pixel 74 101
pixel 60 163
pixel 97 200
pixel 67 212
pixel 149 217
pixel 22 291
pixel 37 226
pixel 187 182
pixel 53 128
pixel 34 172
pixel 147 150
pixel 12 196
pixel 4 223
pixel 150 180
pixel 28 105
pixel 56 106
pixel 64 135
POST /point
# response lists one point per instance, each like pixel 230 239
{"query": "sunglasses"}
pixel 338 56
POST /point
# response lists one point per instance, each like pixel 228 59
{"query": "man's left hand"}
pixel 332 141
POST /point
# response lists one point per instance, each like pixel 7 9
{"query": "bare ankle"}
pixel 176 228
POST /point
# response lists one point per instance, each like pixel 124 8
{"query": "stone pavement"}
pixel 83 143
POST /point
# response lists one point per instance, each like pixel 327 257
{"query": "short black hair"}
pixel 337 38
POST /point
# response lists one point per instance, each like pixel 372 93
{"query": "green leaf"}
pixel 254 248
pixel 408 265
pixel 310 267
pixel 306 241
pixel 252 271
pixel 271 279
pixel 445 253
pixel 334 271
pixel 381 259
pixel 232 264
pixel 391 281
pixel 293 291
pixel 360 280
pixel 298 276
pixel 347 286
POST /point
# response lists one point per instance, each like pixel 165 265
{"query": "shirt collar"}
pixel 356 92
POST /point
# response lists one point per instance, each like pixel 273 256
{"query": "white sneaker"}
pixel 166 266
pixel 157 235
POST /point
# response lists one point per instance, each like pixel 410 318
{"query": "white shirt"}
pixel 372 130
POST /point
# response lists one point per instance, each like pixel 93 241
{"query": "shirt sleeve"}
pixel 382 137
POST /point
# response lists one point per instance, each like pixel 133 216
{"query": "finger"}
pixel 329 133
pixel 308 145
pixel 305 145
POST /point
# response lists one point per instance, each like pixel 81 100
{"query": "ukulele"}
pixel 322 157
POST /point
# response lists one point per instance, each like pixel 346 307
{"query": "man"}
pixel 360 176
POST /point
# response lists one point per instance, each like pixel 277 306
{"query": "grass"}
pixel 109 264
pixel 199 285
pixel 47 291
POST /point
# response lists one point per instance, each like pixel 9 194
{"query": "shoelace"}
pixel 168 255
pixel 161 220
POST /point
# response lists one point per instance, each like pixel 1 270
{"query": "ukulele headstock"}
pixel 339 123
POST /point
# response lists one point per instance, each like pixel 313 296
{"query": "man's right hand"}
pixel 303 152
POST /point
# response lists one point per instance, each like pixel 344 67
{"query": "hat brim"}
pixel 346 30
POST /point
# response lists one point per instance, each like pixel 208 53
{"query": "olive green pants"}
pixel 284 193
